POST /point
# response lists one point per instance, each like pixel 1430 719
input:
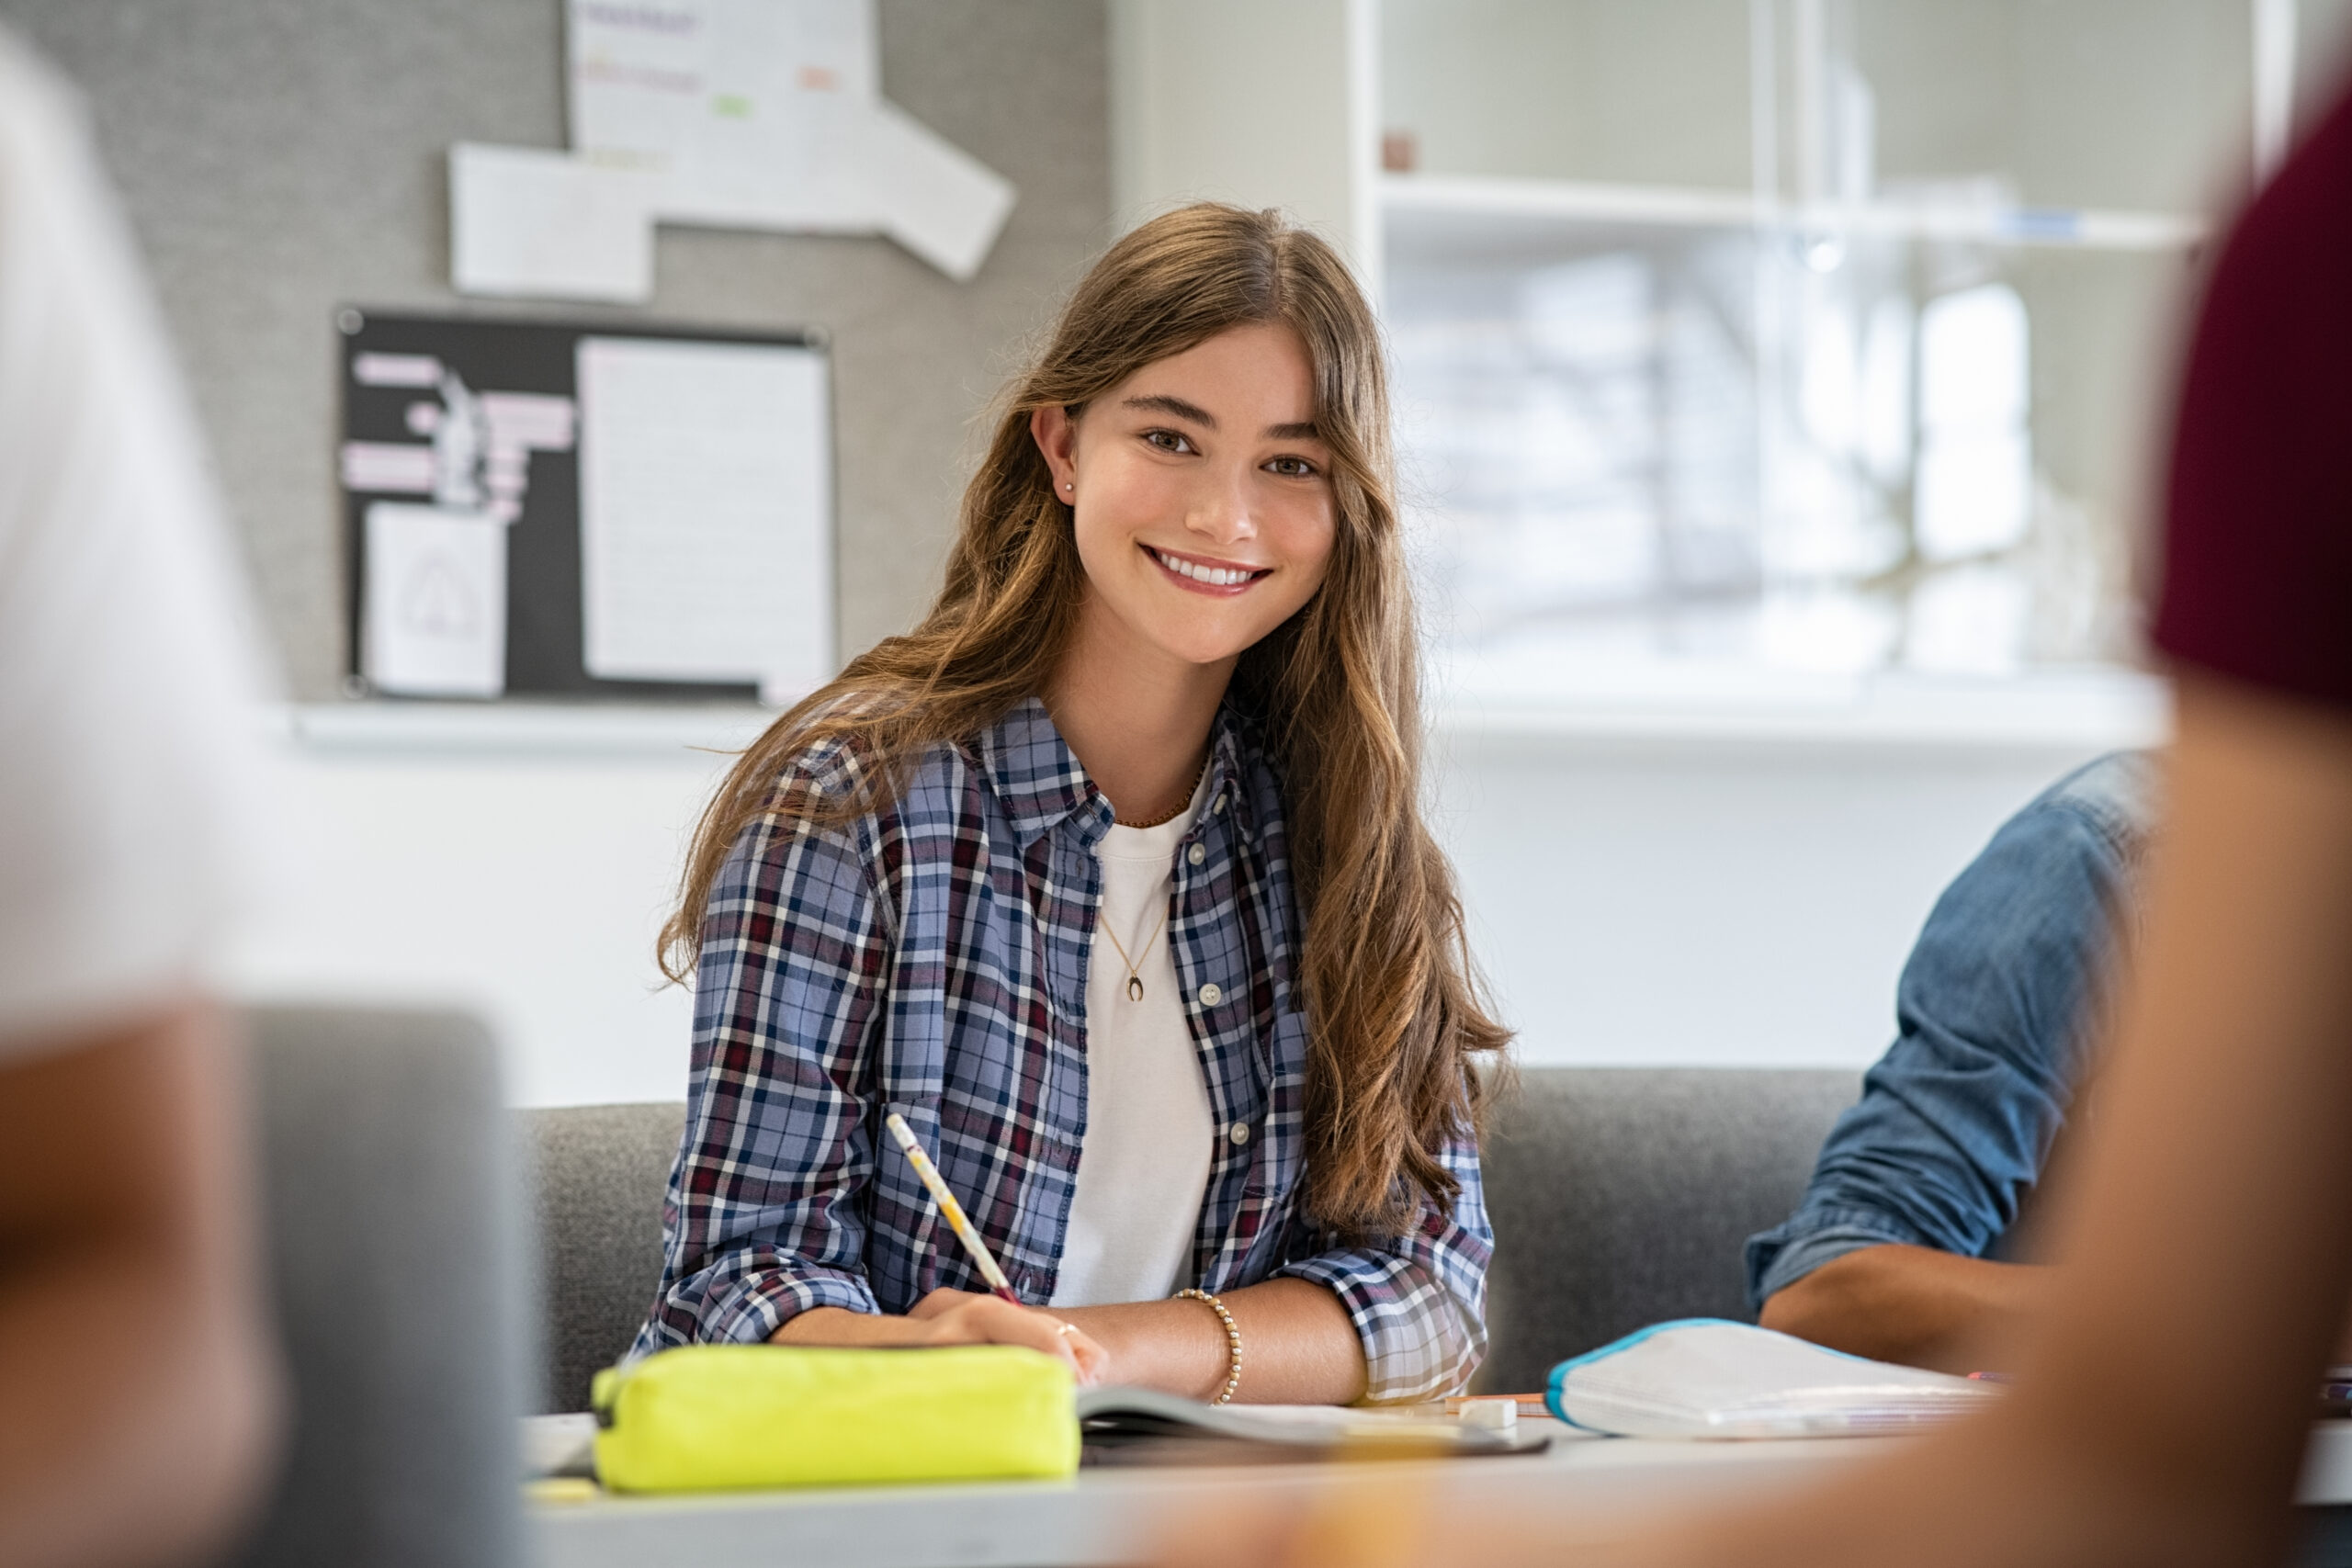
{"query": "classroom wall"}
pixel 280 158
pixel 1713 901
pixel 1676 900
pixel 522 885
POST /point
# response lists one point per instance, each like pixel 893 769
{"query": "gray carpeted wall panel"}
pixel 280 157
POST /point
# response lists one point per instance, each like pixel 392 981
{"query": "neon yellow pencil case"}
pixel 719 1418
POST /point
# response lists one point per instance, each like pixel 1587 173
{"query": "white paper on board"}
pixel 718 89
pixel 934 198
pixel 396 370
pixel 434 623
pixel 388 467
pixel 706 513
pixel 527 220
pixel 750 112
pixel 768 114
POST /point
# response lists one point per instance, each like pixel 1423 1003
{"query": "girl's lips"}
pixel 1217 580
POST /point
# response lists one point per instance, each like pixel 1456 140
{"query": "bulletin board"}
pixel 553 508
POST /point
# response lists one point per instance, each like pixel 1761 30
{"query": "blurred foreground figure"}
pixel 2166 1396
pixel 138 1393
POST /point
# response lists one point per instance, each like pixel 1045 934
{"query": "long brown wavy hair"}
pixel 1393 1009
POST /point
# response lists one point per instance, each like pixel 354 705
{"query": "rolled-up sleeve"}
pixel 1956 1120
pixel 762 1219
pixel 1418 1303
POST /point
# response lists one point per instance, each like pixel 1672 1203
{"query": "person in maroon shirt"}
pixel 2161 1412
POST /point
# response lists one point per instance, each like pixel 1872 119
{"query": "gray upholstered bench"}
pixel 596 1172
pixel 1624 1196
pixel 1619 1198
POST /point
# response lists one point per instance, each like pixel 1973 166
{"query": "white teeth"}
pixel 1216 576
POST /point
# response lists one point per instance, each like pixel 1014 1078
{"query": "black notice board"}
pixel 543 585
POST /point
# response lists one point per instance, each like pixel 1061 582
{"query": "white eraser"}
pixel 1492 1415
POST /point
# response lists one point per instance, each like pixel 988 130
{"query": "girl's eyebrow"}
pixel 1178 407
pixel 1160 402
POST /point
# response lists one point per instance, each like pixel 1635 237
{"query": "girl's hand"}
pixel 965 1317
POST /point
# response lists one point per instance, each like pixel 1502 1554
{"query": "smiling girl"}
pixel 1111 878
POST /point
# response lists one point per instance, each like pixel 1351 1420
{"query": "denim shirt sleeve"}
pixel 764 1218
pixel 1417 1302
pixel 1956 1118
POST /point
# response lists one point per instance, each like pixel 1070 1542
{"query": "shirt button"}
pixel 1211 994
pixel 1196 854
pixel 1239 1133
pixel 1218 809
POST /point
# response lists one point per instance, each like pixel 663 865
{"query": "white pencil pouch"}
pixel 1711 1378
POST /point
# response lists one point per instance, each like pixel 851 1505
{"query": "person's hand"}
pixel 965 1317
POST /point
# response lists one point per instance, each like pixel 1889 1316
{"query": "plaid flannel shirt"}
pixel 929 958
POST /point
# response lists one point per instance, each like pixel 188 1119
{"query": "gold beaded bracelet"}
pixel 1232 1342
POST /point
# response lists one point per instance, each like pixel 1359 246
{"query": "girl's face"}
pixel 1204 498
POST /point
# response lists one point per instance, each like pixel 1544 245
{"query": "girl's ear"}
pixel 1055 434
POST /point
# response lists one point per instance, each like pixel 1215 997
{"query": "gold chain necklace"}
pixel 1163 821
pixel 1134 965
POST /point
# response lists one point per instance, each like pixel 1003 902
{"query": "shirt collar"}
pixel 1036 775
pixel 1041 782
pixel 1227 775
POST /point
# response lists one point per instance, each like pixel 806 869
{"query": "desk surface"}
pixel 1108 1516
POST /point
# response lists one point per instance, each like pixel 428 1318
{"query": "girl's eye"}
pixel 1293 467
pixel 1168 440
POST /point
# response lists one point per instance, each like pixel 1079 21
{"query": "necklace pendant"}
pixel 1135 988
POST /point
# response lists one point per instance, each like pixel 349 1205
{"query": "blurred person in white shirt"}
pixel 139 1392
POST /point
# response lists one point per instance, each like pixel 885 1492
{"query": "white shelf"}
pixel 2092 711
pixel 636 731
pixel 1466 195
pixel 1450 212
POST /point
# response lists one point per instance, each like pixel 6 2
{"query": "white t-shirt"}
pixel 1149 1135
pixel 129 766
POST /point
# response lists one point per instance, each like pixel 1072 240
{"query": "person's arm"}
pixel 1298 1343
pixel 953 1317
pixel 1883 1256
pixel 2211 1240
pixel 1416 1302
pixel 2165 1398
pixel 766 1225
pixel 138 1393
pixel 763 1217
pixel 1398 1320
pixel 1913 1305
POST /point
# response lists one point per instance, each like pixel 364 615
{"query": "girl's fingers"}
pixel 985 1320
pixel 1054 1336
pixel 1038 1330
pixel 1094 1361
pixel 963 1318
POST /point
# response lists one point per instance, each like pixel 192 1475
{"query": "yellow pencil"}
pixel 949 1207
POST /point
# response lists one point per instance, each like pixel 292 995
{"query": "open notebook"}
pixel 1112 1420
